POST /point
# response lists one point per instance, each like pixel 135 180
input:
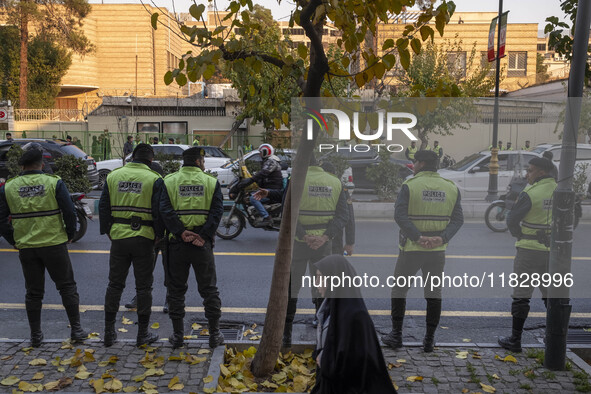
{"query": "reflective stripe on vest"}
pixel 431 202
pixel 130 192
pixel 319 201
pixel 539 217
pixel 412 151
pixel 191 191
pixel 36 217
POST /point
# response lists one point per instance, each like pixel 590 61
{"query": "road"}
pixel 244 268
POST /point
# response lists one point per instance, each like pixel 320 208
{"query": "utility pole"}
pixel 494 158
pixel 559 307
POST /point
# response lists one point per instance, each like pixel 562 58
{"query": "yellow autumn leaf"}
pixel 61 369
pixel 195 326
pixel 38 361
pixel 255 338
pixel 401 360
pixel 173 381
pixel 204 332
pixel 38 376
pixel 487 389
pixel 209 390
pixel 204 351
pixel 151 391
pixel 26 386
pixel 444 328
pixel 51 385
pixel 94 335
pixel 82 375
pixel 510 359
pixel 466 340
pixel 461 355
pixel 99 386
pixel 224 370
pixel 126 321
pixel 269 385
pixel 414 379
pixel 208 379
pixel 67 345
pixel 138 378
pixel 155 325
pixel 129 389
pixel 5 358
pixel 122 329
pixel 148 386
pixel 397 365
pixel 496 376
pixel 497 357
pixel 465 390
pixel 113 385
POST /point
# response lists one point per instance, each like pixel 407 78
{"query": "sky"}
pixel 522 11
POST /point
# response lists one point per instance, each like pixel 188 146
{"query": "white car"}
pixel 471 173
pixel 214 157
pixel 583 155
pixel 226 173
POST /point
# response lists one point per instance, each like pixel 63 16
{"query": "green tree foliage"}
pixel 580 180
pixel 439 72
pixel 386 177
pixel 48 63
pixel 340 163
pixel 168 163
pixel 308 68
pixel 13 156
pixel 560 34
pixel 56 21
pixel 74 172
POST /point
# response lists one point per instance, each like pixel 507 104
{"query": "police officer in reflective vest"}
pixel 530 221
pixel 43 222
pixel 323 214
pixel 429 214
pixel 437 149
pixel 411 151
pixel 191 208
pixel 128 211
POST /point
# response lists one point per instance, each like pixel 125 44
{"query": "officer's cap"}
pixel 194 152
pixel 426 155
pixel 542 163
pixel 30 157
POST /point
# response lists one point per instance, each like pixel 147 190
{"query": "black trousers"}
pixel 408 264
pixel 138 251
pixel 528 261
pixel 303 257
pixel 34 262
pixel 181 257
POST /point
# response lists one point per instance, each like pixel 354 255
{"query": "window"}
pixel 583 154
pixel 503 159
pixel 542 47
pixel 456 63
pixel 517 64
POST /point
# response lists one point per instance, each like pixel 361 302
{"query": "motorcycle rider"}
pixel 269 177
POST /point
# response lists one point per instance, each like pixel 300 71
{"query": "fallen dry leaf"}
pixel 126 321
pixel 122 329
pixel 401 360
pixel 397 365
pixel 487 388
pixel 38 376
pixel 155 325
pixel 208 379
pixel 204 351
pixel 9 381
pixel 510 359
pixel 462 355
pixel 414 379
pixel 38 361
pixel 466 340
pixel 496 376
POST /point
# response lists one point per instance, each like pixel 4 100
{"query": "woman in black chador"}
pixel 348 352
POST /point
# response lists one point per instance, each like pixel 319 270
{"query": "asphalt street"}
pixel 244 269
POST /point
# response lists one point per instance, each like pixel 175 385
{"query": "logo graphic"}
pixel 318 118
pixel 130 187
pixel 31 191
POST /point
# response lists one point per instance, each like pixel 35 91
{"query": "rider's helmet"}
pixel 266 150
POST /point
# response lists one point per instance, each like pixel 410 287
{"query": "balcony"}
pixel 60 115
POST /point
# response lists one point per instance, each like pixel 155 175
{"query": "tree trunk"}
pixel 266 356
pixel 24 61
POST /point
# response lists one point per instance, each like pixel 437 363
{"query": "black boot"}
pixel 76 333
pixel 429 340
pixel 216 338
pixel 165 309
pixel 132 304
pixel 177 337
pixel 34 317
pixel 286 342
pixel 145 337
pixel 512 343
pixel 394 338
pixel 110 334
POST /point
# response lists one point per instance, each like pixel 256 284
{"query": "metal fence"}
pixel 63 115
pixel 102 145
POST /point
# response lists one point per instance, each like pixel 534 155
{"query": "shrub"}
pixel 73 171
pixel 386 177
pixel 13 156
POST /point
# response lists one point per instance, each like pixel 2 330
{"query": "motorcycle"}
pixel 82 213
pixel 241 211
pixel 497 212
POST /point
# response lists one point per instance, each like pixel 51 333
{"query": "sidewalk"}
pixel 452 368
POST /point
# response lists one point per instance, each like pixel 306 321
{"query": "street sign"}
pixel 3 115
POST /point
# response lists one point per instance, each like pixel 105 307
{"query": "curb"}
pixel 385 210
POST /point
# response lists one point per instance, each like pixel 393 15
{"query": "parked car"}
pixel 226 173
pixel 52 150
pixel 214 157
pixel 583 154
pixel 471 174
pixel 360 161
